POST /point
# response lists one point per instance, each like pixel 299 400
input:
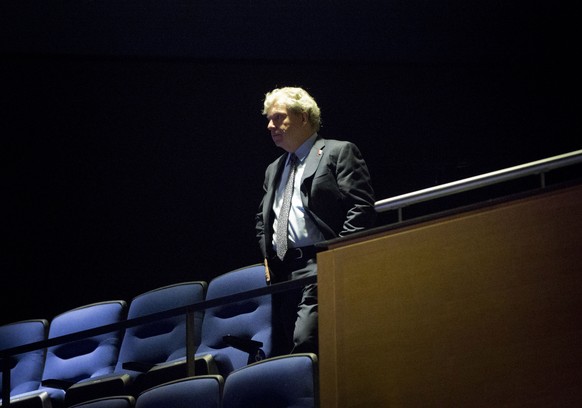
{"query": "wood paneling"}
pixel 479 309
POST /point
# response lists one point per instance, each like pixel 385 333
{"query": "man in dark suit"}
pixel 331 197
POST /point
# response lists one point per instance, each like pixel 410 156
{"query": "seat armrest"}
pixel 98 387
pixel 170 371
pixel 252 347
pixel 138 366
pixel 246 345
pixel 54 383
pixel 205 365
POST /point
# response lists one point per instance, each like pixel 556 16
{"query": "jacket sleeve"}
pixel 259 219
pixel 353 179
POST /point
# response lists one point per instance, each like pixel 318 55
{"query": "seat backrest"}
pixel 247 319
pixel 88 357
pixel 283 381
pixel 26 368
pixel 122 401
pixel 203 391
pixel 162 340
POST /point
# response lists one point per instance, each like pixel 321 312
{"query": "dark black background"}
pixel 135 145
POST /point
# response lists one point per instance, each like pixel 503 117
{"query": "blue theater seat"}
pixel 79 360
pixel 122 401
pixel 190 392
pixel 26 368
pixel 148 351
pixel 236 334
pixel 283 381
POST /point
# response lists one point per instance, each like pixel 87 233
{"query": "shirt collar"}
pixel 305 148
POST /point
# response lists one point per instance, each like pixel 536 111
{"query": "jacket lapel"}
pixel 272 184
pixel 313 159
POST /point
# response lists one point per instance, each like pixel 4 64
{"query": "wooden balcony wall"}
pixel 477 309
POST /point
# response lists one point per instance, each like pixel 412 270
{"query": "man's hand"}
pixel 267 272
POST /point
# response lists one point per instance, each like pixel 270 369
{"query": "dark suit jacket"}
pixel 335 190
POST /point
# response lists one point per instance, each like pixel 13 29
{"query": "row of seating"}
pixel 127 362
pixel 283 381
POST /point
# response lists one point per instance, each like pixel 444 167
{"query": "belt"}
pixel 298 254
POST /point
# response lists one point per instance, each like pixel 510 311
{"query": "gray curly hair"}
pixel 296 100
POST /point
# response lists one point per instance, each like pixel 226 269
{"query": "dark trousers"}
pixel 295 312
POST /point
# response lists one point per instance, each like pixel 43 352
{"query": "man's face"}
pixel 287 128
